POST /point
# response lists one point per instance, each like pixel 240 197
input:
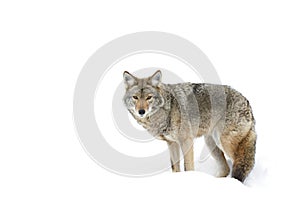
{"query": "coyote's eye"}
pixel 134 97
pixel 149 97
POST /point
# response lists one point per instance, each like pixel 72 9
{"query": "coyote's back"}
pixel 177 113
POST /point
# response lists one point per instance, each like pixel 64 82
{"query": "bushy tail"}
pixel 244 157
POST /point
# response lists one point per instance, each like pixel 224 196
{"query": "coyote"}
pixel 177 113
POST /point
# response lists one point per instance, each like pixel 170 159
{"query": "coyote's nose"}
pixel 142 111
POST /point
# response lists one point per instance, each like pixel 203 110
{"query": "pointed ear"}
pixel 129 79
pixel 155 79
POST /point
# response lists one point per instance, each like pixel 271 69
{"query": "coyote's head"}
pixel 143 96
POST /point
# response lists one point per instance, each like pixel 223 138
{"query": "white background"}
pixel 254 45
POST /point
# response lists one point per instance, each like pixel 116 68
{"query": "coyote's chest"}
pixel 157 124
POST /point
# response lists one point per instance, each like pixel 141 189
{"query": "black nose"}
pixel 142 111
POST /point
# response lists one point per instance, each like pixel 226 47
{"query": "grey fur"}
pixel 177 113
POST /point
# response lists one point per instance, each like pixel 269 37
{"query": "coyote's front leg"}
pixel 174 150
pixel 187 148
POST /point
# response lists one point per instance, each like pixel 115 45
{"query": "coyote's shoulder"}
pixel 180 112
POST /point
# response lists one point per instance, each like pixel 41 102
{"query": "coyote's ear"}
pixel 156 78
pixel 129 79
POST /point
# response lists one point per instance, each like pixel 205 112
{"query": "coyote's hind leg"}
pixel 218 155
